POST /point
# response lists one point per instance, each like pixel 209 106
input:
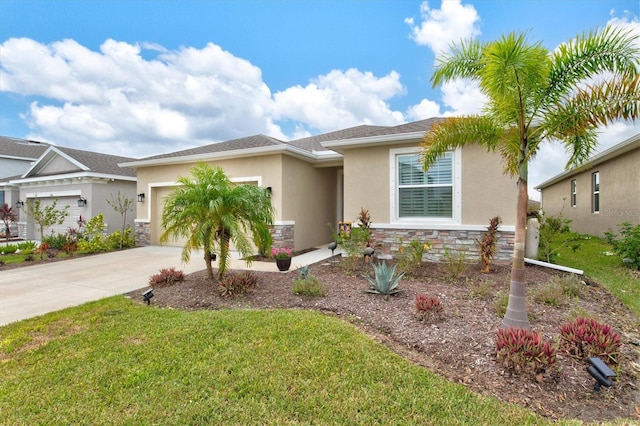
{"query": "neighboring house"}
pixel 600 194
pixel 79 179
pixel 322 180
pixel 16 157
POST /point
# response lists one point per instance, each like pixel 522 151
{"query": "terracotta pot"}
pixel 283 264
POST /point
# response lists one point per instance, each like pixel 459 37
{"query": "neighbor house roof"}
pixel 615 151
pixel 314 143
pixel 21 149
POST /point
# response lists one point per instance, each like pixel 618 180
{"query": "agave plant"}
pixel 384 282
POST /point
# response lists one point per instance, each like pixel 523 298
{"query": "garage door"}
pixel 71 221
pixel 158 195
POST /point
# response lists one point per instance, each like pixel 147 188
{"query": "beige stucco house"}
pixel 82 180
pixel 327 179
pixel 601 194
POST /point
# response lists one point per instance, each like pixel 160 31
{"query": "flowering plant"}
pixel 281 253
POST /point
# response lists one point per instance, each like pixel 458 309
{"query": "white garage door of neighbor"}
pixel 71 221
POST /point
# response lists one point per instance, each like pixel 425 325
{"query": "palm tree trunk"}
pixel 516 315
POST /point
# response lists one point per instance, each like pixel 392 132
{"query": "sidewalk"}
pixel 39 289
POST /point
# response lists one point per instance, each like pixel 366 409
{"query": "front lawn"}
pixel 119 362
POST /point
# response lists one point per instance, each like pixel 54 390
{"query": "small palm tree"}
pixel 536 95
pixel 209 210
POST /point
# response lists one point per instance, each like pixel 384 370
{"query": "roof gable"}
pixel 57 161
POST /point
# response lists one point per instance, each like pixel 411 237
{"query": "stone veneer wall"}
pixel 387 242
pixel 143 234
pixel 283 236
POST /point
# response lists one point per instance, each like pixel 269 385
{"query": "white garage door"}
pixel 71 221
pixel 159 195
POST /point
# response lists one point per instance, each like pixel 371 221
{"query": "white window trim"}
pixel 393 196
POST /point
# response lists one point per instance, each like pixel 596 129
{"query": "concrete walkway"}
pixel 36 290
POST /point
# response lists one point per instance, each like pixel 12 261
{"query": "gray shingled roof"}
pixel 416 126
pixel 21 148
pixel 100 163
pixel 255 141
pixel 312 143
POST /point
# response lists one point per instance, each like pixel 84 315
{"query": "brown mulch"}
pixel 460 344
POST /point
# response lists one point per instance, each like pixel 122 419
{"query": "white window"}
pixel 573 193
pixel 595 186
pixel 424 196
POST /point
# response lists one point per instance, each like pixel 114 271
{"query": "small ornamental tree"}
pixel 8 216
pixel 47 216
pixel 122 205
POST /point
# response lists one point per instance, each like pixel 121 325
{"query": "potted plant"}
pixel 283 257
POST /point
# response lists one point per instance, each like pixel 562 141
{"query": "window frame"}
pixel 574 193
pixel 456 208
pixel 595 192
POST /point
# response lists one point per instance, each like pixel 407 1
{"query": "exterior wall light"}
pixel 141 197
pixel 82 202
pixel 19 204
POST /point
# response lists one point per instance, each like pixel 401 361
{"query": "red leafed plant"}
pixel 524 351
pixel 427 306
pixel 166 277
pixel 586 337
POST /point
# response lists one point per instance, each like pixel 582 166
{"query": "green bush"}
pixel 309 286
pixel 555 234
pixel 524 351
pixel 628 246
pixel 27 245
pixel 455 263
pixel 9 249
pixel 55 241
pixel 409 257
pixel 112 241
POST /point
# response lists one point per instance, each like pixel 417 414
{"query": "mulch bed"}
pixel 459 344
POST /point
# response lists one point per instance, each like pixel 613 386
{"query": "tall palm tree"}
pixel 536 95
pixel 209 210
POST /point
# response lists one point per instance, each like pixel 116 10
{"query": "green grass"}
pixel 116 361
pixel 595 257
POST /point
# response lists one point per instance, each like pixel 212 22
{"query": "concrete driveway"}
pixel 36 290
pixel 39 289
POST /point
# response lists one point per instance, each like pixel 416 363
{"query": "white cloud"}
pixel 143 99
pixel 341 99
pixel 440 27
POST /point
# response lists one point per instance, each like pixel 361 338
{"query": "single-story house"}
pixel 16 157
pixel 600 194
pixel 326 179
pixel 82 180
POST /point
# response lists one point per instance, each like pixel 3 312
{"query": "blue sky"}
pixel 138 78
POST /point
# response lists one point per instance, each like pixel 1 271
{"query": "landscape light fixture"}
pixel 82 202
pixel 333 246
pixel 147 295
pixel 141 197
pixel 601 372
pixel 19 204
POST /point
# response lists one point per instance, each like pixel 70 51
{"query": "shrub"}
pixel 427 306
pixel 586 337
pixel 27 245
pixel 550 294
pixel 524 351
pixel 55 241
pixel 112 241
pixel 628 246
pixel 555 234
pixel 455 263
pixel 237 283
pixel 482 289
pixel 29 258
pixel 166 277
pixel 309 286
pixel 384 283
pixel 9 249
pixel 2 262
pixel 410 256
